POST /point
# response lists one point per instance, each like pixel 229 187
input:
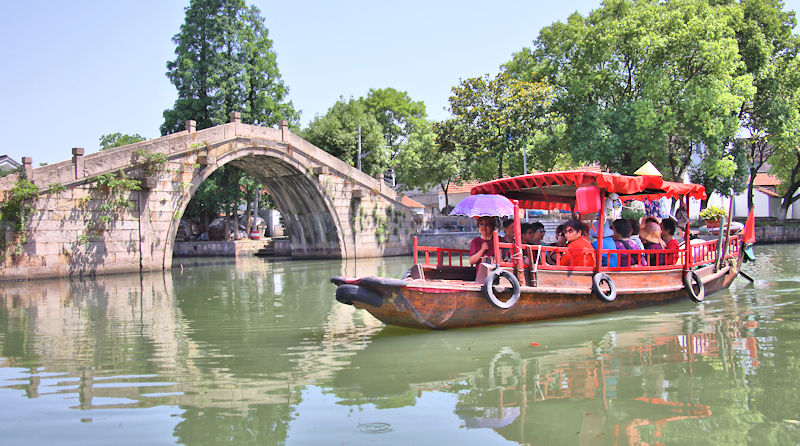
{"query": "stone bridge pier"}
pixel 87 219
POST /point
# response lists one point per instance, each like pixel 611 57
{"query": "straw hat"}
pixel 648 169
pixel 650 231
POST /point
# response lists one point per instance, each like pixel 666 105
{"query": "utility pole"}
pixel 525 159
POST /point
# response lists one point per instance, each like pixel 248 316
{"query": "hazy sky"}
pixel 73 71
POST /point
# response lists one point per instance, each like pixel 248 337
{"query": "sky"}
pixel 73 71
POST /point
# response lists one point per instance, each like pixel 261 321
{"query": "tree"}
pixel 494 118
pixel 786 166
pixel 118 139
pixel 397 115
pixel 640 80
pixel 337 134
pixel 225 62
pixel 768 49
pixel 422 164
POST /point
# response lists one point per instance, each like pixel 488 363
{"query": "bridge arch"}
pixel 330 208
pixel 310 216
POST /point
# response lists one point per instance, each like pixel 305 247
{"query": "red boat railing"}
pixel 541 257
pixel 441 254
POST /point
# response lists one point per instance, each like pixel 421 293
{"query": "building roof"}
pixel 767 192
pixel 8 163
pixel 410 203
pixel 460 188
pixel 765 179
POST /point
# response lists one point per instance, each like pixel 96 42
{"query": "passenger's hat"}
pixel 650 231
pixel 607 232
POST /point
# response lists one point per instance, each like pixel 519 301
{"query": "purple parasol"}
pixel 487 205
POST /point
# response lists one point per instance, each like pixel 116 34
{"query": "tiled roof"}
pixel 461 188
pixel 765 179
pixel 410 203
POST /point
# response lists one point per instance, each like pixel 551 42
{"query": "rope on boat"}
pixel 538 256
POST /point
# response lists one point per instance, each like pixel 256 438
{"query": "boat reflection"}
pixel 605 386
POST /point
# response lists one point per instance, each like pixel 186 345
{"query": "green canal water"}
pixel 258 352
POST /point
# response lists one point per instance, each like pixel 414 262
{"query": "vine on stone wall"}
pixel 114 188
pixel 152 163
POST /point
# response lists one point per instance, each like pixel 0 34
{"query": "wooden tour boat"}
pixel 442 290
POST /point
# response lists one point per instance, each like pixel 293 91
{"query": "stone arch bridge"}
pixel 330 209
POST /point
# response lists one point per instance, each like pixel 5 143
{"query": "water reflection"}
pixel 259 352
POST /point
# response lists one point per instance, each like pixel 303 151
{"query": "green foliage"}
pixel 713 213
pixel 725 173
pixel 397 115
pixel 225 62
pixel 19 170
pixel 641 81
pixel 494 119
pixel 18 205
pixel 118 139
pixel 115 187
pixel 152 163
pixel 635 213
pixel 337 134
pixel 56 188
pixel 226 189
pixel 422 164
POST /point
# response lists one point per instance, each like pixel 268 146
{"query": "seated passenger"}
pixel 561 241
pixel 622 230
pixel 483 245
pixel 608 243
pixel 532 233
pixel 668 236
pixel 580 252
pixel 651 236
pixel 634 237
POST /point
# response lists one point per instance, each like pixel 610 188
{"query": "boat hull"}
pixel 431 304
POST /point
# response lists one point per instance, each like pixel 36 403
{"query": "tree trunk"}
pixel 248 219
pixel 789 196
pixel 446 198
pixel 750 182
pixel 235 221
pixel 255 209
pixel 227 223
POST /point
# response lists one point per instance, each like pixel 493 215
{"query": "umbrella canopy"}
pixel 484 205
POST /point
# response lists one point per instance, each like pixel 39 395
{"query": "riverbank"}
pixel 278 246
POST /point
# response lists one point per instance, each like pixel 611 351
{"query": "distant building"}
pixel 7 164
pixel 415 206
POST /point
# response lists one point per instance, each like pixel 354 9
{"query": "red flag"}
pixel 749 235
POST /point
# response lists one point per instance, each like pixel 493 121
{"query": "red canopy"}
pixel 556 190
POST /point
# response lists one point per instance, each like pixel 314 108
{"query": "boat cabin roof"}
pixel 557 190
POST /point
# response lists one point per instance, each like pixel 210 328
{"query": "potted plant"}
pixel 712 215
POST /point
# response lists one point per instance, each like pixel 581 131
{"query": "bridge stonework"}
pixel 329 209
